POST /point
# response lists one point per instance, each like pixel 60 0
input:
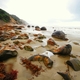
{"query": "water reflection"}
pixel 48 54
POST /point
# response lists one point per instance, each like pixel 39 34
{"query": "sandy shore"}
pixel 41 47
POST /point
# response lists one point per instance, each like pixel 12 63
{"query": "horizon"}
pixel 61 13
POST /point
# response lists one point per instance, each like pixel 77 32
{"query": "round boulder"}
pixel 43 28
pixel 28 26
pixel 59 35
pixel 37 28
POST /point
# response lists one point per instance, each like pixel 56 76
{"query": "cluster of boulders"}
pixel 10 32
pixel 38 28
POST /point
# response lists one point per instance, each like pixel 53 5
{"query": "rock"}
pixel 40 36
pixel 28 48
pixel 64 75
pixel 59 35
pixel 7 54
pixel 51 42
pixel 63 50
pixel 23 36
pixel 74 63
pixel 28 26
pixel 37 28
pixel 43 28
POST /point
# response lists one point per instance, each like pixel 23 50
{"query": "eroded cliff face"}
pixel 12 21
pixel 8 19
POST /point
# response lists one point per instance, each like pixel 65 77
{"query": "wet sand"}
pixel 59 64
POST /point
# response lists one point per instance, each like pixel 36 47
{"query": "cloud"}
pixel 44 12
pixel 40 10
pixel 74 8
pixel 3 4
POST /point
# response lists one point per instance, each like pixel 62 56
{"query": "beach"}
pixel 59 62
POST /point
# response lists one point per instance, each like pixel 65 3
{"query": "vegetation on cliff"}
pixel 4 16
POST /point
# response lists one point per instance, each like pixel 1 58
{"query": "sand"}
pixel 41 48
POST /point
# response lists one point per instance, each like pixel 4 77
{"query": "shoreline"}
pixel 41 48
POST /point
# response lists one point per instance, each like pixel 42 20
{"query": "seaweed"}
pixel 12 75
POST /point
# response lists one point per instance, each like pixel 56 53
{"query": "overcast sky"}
pixel 45 12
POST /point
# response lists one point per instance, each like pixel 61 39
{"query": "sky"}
pixel 63 13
